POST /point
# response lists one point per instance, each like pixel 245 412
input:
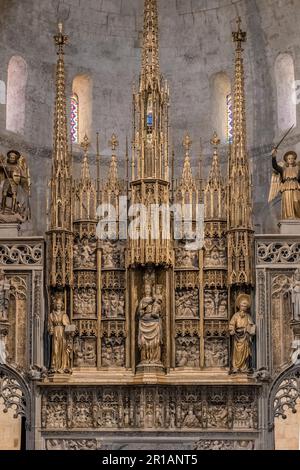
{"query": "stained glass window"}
pixel 229 118
pixel 75 118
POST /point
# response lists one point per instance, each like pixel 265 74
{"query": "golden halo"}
pixel 291 152
pixel 241 298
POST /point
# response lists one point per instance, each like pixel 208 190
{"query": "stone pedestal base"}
pixel 9 230
pixel 150 369
pixel 289 227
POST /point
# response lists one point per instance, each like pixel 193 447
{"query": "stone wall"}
pixel 195 37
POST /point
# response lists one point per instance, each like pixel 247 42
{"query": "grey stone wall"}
pixel 195 37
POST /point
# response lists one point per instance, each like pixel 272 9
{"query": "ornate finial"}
pixel 114 143
pixel 215 141
pixel 60 39
pixel 187 143
pixel 150 60
pixel 85 144
pixel 239 36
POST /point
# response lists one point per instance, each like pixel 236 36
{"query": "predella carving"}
pixel 150 407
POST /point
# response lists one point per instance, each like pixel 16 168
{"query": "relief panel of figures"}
pixel 150 408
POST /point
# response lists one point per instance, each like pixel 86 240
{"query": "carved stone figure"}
pixel 214 253
pixel 216 353
pixel 84 353
pixel 85 254
pixel 286 180
pixel 5 289
pixel 57 326
pixel 187 303
pixel 186 258
pixel 15 173
pixel 113 304
pixel 150 328
pixel 242 329
pixel 295 296
pixel 190 420
pixel 215 304
pixel 187 351
pixel 84 302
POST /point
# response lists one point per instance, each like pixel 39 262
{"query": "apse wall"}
pixel 104 47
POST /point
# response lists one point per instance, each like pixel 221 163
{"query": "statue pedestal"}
pixel 9 230
pixel 289 227
pixel 150 369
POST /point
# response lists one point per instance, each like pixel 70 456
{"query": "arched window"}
pixel 222 106
pixel 286 94
pixel 16 88
pixel 75 118
pixel 229 102
pixel 2 92
pixel 82 102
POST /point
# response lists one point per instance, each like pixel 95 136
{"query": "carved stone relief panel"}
pixel 54 410
pixel 218 410
pixel 245 411
pixel 85 353
pixel 150 407
pixel 187 303
pixel 216 352
pixel 187 343
pixel 185 258
pixel 215 253
pixel 113 255
pixel 215 304
pixel 85 302
pixel 72 444
pixel 85 254
pixel 223 444
pixel 113 304
pixel 81 416
pixel 113 344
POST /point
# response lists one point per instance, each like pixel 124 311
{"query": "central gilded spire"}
pixel 150 58
pixel 150 144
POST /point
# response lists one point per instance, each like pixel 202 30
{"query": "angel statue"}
pixel 286 180
pixel 14 173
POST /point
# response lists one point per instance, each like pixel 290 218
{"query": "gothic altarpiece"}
pixel 141 343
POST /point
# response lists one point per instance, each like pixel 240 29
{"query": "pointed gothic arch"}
pixel 222 117
pixel 81 107
pixel 284 396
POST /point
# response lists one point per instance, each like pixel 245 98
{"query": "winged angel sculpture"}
pixel 286 180
pixel 15 182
